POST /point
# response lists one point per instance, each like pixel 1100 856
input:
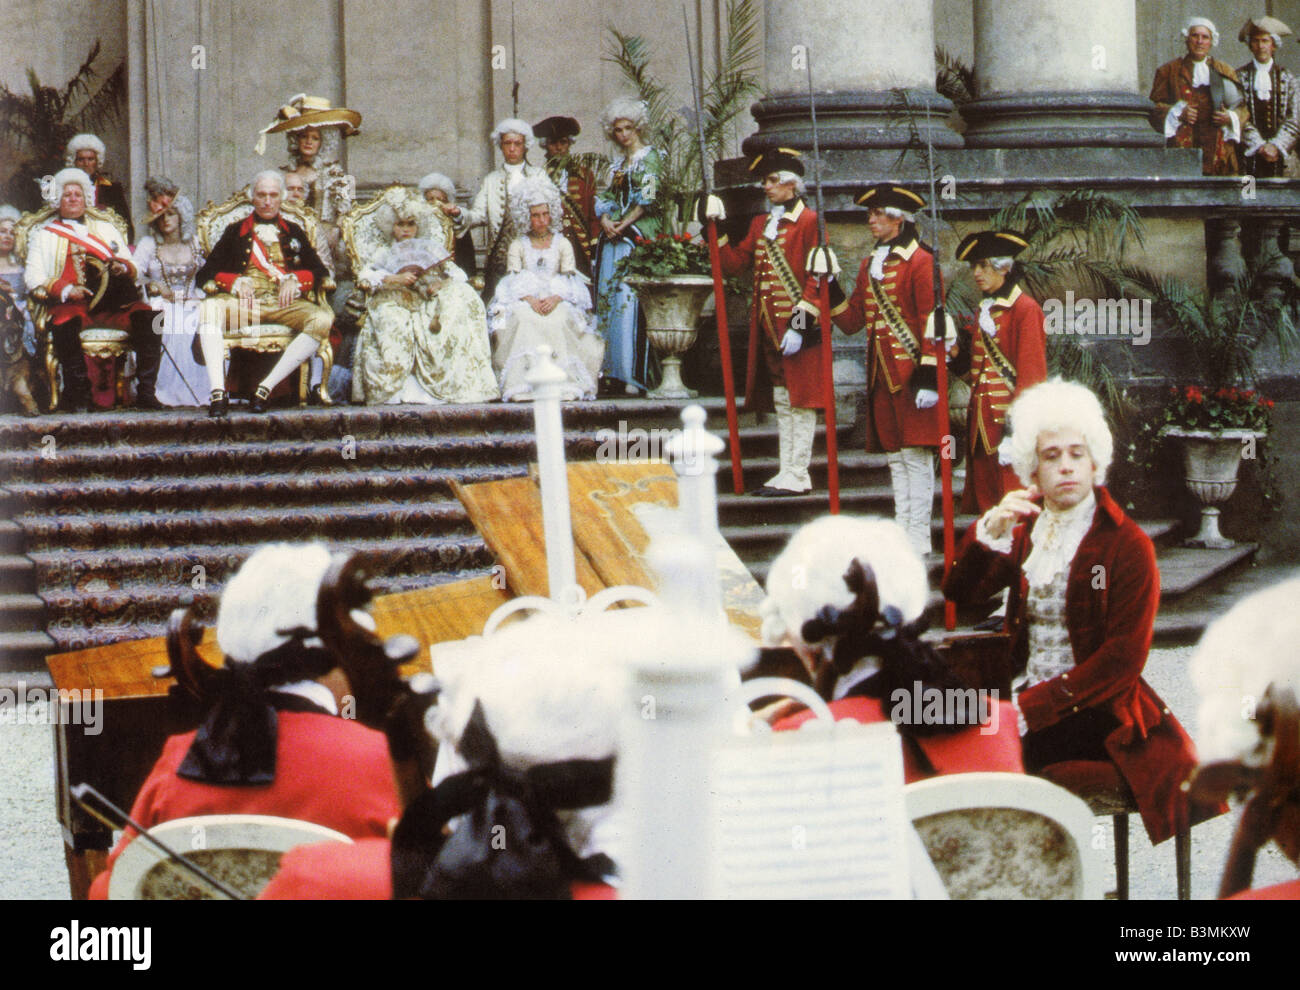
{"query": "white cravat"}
pixel 1263 80
pixel 1056 536
pixel 878 257
pixel 1201 73
pixel 986 317
pixel 513 174
pixel 774 216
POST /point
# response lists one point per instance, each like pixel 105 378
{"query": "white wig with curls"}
pixel 625 108
pixel 82 142
pixel 513 125
pixel 11 213
pixel 1204 22
pixel 1047 408
pixel 785 175
pixel 275 590
pixel 436 180
pixel 1245 651
pixel 531 192
pixel 809 573
pixel 71 174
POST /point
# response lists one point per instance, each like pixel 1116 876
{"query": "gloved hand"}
pixel 792 341
pixel 926 398
pixel 710 208
pixel 822 261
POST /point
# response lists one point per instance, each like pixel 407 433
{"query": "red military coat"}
pixel 328 770
pixel 769 317
pixel 1173 83
pixel 577 187
pixel 893 378
pixel 1111 597
pixel 996 379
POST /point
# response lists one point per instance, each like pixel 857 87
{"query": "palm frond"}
pixel 953 77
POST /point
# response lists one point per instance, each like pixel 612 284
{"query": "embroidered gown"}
pixel 182 381
pixel 633 181
pixel 569 329
pixel 413 349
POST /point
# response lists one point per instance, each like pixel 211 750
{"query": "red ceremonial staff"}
pixel 947 443
pixel 821 262
pixel 715 266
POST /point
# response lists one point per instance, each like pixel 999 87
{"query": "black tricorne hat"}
pixel 777 160
pixel 554 128
pixel 991 244
pixel 885 194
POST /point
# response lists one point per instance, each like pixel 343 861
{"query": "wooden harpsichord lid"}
pixel 990 244
pixel 886 194
pixel 777 160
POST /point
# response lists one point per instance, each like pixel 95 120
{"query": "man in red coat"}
pixel 1084 589
pixel 273 741
pixel 893 299
pixel 1008 354
pixel 784 332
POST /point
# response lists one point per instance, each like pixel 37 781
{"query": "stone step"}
pixel 25 651
pixel 17 574
pixel 1183 569
pixel 1182 620
pixel 21 612
pixel 340 521
pixel 12 540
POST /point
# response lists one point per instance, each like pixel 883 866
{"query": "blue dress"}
pixel 633 182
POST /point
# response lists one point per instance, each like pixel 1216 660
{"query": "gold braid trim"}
pixel 897 325
pixel 1004 368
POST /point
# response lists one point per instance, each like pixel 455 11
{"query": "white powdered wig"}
pixel 275 589
pixel 1250 647
pixel 8 212
pixel 81 142
pixel 535 191
pixel 809 573
pixel 72 174
pixel 897 214
pixel 1052 406
pixel 1204 22
pixel 625 108
pixel 513 125
pixel 1003 264
pixel 436 180
pixel 785 175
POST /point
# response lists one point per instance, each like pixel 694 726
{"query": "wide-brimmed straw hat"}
pixel 310 111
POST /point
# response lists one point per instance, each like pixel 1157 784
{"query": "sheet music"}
pixel 815 813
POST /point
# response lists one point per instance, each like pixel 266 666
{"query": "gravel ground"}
pixel 31 846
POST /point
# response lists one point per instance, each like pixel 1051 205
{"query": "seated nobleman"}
pixel 527 722
pixel 1083 595
pixel 1247 673
pixel 847 595
pixel 258 272
pixel 78 267
pixel 272 741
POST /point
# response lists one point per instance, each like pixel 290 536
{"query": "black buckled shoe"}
pixel 260 399
pixel 219 404
pixel 147 400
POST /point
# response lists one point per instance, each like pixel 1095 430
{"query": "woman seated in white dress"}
pixel 168 258
pixel 425 336
pixel 543 300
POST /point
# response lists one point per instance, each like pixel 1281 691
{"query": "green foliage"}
pixel 665 255
pixel 728 91
pixel 36 127
pixel 1226 408
pixel 953 77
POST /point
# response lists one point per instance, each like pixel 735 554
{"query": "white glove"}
pixel 822 261
pixel 927 399
pixel 713 209
pixel 792 341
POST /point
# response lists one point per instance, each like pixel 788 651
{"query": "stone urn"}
pixel 1211 459
pixel 672 307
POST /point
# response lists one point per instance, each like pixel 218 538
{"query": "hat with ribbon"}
pixel 309 111
pixel 990 244
pixel 886 195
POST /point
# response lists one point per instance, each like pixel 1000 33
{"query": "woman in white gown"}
pixel 425 336
pixel 543 300
pixel 167 260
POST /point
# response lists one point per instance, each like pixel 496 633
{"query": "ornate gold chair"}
pixel 364 237
pixel 98 342
pixel 267 338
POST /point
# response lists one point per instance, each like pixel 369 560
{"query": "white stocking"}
pixel 299 350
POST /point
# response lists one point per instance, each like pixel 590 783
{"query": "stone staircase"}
pixel 109 521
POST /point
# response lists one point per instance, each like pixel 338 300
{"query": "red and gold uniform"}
pixel 900 359
pixel 782 285
pixel 577 187
pixel 1003 364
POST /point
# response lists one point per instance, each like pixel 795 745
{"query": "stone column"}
pixel 861 51
pixel 1057 73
